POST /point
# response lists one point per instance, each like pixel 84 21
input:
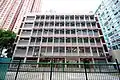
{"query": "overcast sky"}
pixel 69 6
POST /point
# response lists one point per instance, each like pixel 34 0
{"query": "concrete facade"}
pixel 60 37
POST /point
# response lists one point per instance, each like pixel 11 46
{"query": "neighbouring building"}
pixel 109 18
pixel 13 11
pixel 61 38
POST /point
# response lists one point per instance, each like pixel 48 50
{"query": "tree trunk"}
pixel 1 49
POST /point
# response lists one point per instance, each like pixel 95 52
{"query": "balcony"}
pixel 23 42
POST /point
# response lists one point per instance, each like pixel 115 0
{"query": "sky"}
pixel 69 6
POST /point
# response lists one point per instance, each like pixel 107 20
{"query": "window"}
pixel 28 25
pixel 84 32
pixel 116 13
pixel 73 31
pixel 47 17
pixel 82 17
pixel 92 17
pixel 57 17
pixel 62 40
pixel 44 39
pixel 76 17
pixel 56 49
pixel 30 17
pixel 49 49
pixel 25 32
pixel 98 40
pixel 71 17
pixel 52 17
pixel 79 40
pixel 90 32
pixel 50 39
pixel 36 51
pixel 56 31
pixel 74 40
pixel 43 49
pixel 93 23
pixel 32 40
pixel 56 23
pixel 30 50
pixel 78 31
pixel 45 31
pixel 94 50
pixel 36 24
pixel 74 49
pixel 42 17
pixel 67 31
pixel 66 17
pixel 46 23
pixel 62 49
pixel 62 31
pixel 82 24
pixel 81 49
pixel 88 24
pixel 41 24
pixel 68 49
pixel 87 49
pixel 67 40
pixel 77 23
pixel 34 32
pixel 62 17
pixel 86 17
pixel 38 40
pixel 95 32
pixel 56 40
pixel 39 32
pixel 61 23
pixel 52 23
pixel 85 40
pixel 72 24
pixel 100 50
pixel 66 23
pixel 116 2
pixel 92 40
pixel 50 31
pixel 20 51
pixel 37 17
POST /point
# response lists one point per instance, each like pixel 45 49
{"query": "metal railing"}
pixel 61 71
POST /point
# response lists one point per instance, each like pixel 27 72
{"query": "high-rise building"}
pixel 60 37
pixel 109 18
pixel 13 11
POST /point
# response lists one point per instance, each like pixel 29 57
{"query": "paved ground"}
pixel 61 76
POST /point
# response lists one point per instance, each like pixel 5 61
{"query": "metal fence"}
pixel 61 71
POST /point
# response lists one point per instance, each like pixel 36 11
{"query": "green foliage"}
pixel 6 39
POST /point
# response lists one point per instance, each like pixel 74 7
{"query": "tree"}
pixel 7 38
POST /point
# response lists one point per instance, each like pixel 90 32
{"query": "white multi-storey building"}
pixel 60 37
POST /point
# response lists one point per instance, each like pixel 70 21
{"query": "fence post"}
pixel 117 65
pixel 17 69
pixel 63 66
pixel 51 65
pixel 99 66
pixel 85 71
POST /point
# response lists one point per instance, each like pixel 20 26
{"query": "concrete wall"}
pixel 116 54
